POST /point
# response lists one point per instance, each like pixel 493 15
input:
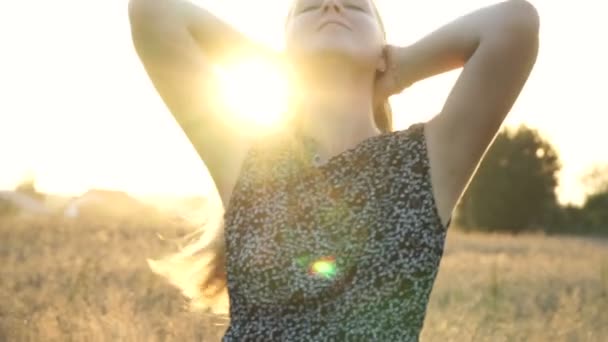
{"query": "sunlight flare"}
pixel 255 92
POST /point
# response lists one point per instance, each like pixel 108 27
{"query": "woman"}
pixel 334 227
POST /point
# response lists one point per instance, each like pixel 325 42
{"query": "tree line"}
pixel 514 190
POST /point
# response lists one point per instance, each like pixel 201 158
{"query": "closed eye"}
pixel 308 8
pixel 355 7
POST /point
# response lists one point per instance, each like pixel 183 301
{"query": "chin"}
pixel 332 48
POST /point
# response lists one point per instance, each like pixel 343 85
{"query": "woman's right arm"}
pixel 178 44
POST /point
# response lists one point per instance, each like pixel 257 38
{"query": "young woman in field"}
pixel 334 227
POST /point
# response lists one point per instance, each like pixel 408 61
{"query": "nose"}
pixel 332 5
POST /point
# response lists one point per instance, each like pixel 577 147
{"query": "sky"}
pixel 77 110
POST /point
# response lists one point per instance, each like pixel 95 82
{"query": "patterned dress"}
pixel 343 251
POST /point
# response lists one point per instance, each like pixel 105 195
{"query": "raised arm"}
pixel 497 45
pixel 178 44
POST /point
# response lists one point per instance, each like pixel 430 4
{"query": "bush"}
pixel 595 213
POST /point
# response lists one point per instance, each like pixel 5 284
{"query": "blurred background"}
pixel 96 176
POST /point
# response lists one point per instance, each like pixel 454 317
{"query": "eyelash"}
pixel 308 9
pixel 314 7
pixel 355 8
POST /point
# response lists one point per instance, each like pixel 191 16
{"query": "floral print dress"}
pixel 344 251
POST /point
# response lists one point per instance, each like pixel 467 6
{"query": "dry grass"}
pixel 88 281
pixel 527 288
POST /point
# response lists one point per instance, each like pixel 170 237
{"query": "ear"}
pixel 382 63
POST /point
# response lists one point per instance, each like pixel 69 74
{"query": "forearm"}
pixel 178 21
pixel 452 45
pixel 216 38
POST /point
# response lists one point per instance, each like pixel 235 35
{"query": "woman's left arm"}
pixel 497 46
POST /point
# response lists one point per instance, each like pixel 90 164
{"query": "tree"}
pixel 514 186
pixel 595 209
pixel 28 187
pixel 595 213
pixel 595 180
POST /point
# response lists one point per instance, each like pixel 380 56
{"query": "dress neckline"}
pixel 310 144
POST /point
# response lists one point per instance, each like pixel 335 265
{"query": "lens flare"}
pixel 324 267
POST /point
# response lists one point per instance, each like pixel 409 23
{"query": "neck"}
pixel 334 107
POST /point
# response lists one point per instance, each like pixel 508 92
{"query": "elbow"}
pixel 135 8
pixel 529 17
pixel 137 12
pixel 143 11
pixel 518 27
pixel 149 19
pixel 522 19
pixel 138 20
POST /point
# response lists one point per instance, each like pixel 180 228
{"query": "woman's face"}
pixel 347 29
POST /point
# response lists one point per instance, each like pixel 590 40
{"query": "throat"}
pixel 321 154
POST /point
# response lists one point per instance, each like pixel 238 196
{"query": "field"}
pixel 88 281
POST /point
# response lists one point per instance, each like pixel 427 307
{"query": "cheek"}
pixel 369 32
pixel 300 28
pixel 365 41
pixel 368 41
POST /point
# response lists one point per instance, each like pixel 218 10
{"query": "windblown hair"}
pixel 199 268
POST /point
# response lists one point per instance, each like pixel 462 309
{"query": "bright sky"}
pixel 78 111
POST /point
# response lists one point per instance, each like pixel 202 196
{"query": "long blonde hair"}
pixel 199 268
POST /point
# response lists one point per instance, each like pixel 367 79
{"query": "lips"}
pixel 329 22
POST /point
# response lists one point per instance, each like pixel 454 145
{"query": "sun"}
pixel 255 92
